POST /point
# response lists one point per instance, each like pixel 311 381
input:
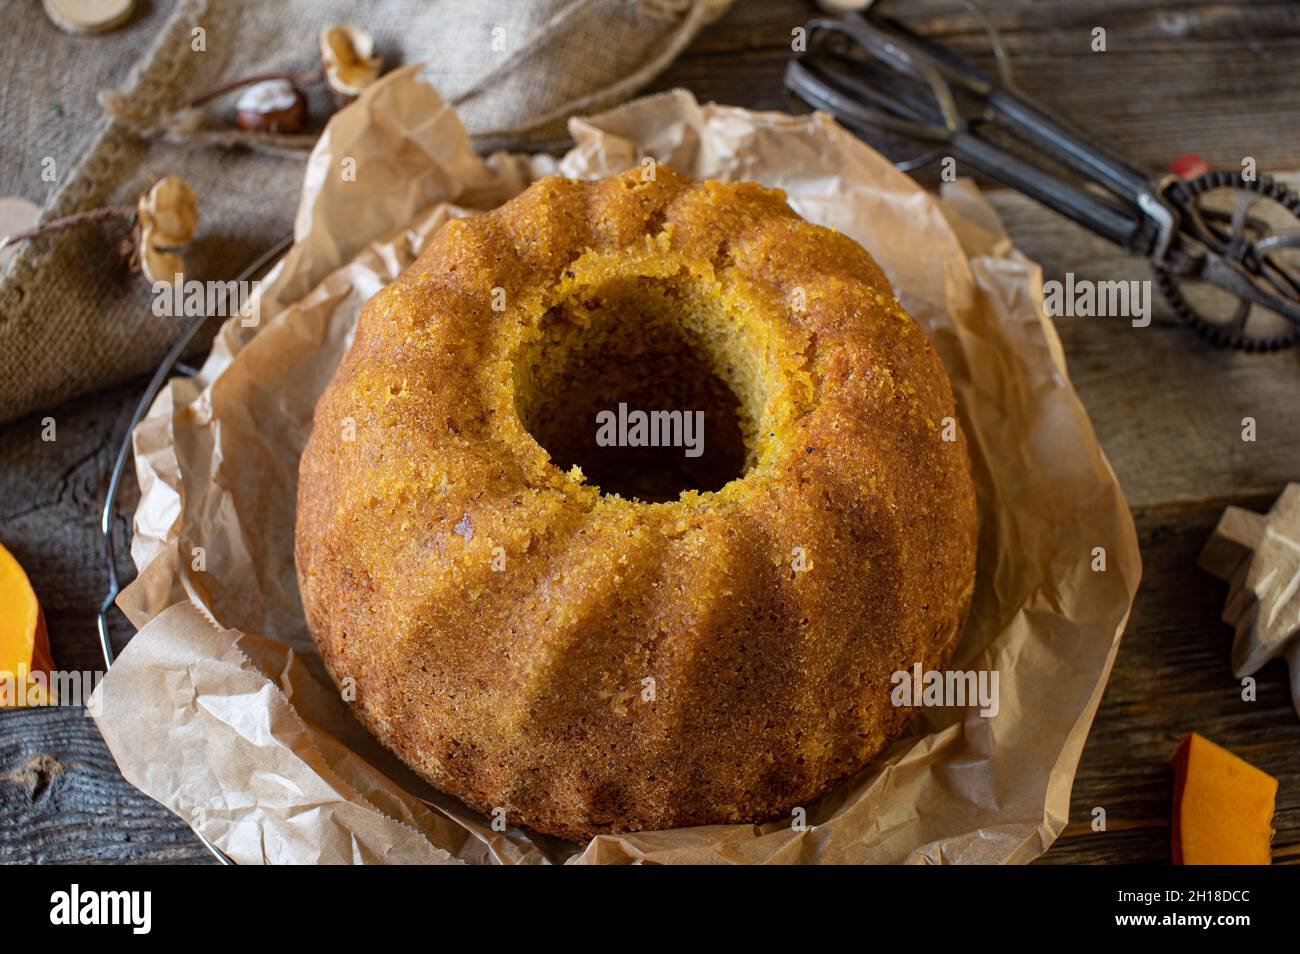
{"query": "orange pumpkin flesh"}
pixel 1223 807
pixel 24 643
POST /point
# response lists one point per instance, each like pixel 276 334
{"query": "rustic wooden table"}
pixel 1217 79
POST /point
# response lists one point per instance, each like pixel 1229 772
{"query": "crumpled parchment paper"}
pixel 220 709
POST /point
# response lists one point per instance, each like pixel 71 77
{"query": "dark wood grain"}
pixel 62 799
pixel 1217 79
pixel 1172 677
pixel 1169 435
pixel 1214 78
pixel 61 796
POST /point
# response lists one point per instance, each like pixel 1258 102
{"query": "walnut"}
pixel 168 217
pixel 351 63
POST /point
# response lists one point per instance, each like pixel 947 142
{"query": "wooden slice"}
pixel 16 215
pixel 89 16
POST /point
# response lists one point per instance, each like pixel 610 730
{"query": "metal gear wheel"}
pixel 1251 242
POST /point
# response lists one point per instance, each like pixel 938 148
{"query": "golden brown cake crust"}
pixel 590 663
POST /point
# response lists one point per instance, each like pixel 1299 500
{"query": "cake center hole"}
pixel 636 381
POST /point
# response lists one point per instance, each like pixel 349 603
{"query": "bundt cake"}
pixel 538 627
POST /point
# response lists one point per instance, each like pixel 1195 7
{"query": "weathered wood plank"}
pixel 61 796
pixel 51 496
pixel 1167 408
pixel 1172 677
pixel 63 800
pixel 1212 78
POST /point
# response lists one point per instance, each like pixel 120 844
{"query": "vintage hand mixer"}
pixel 1225 270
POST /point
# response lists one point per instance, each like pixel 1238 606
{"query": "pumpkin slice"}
pixel 1223 807
pixel 24 644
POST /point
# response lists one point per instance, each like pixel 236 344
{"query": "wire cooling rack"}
pixel 171 363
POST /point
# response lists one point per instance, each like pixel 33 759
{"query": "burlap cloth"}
pixel 72 317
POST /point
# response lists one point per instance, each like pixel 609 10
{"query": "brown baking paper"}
pixel 220 709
